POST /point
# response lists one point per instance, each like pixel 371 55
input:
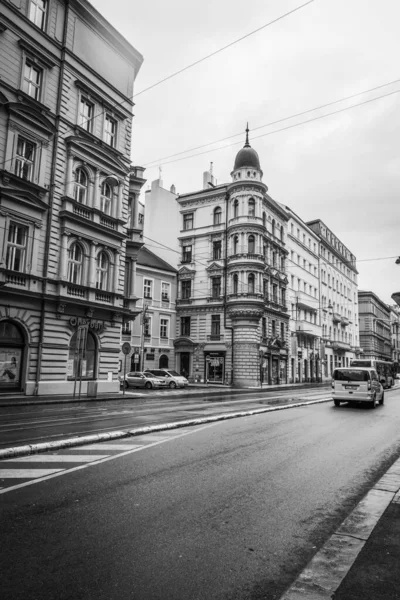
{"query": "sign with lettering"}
pixel 91 323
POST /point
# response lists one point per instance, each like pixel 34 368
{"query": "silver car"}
pixel 142 380
pixel 172 378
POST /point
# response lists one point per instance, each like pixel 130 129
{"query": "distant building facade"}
pixel 232 315
pixel 395 326
pixel 161 224
pixel 304 303
pixel 65 135
pixel 375 326
pixel 338 300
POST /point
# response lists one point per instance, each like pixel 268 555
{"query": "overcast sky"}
pixel 343 169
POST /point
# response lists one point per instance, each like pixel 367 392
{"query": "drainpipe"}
pixel 226 281
pixel 51 200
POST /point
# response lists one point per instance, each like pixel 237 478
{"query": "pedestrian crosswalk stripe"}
pixel 106 446
pixel 26 473
pixel 59 458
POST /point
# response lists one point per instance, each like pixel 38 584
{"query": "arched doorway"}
pixel 82 355
pixel 12 346
pixel 163 362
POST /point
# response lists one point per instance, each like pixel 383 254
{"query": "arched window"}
pixel 163 362
pixel 251 244
pixel 11 353
pixel 82 354
pixel 251 283
pixel 235 244
pixel 81 186
pixel 106 198
pixel 75 264
pixel 235 283
pixel 217 215
pixel 264 219
pixel 236 208
pixel 252 207
pixel 273 226
pixel 102 271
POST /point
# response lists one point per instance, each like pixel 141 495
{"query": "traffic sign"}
pixel 126 347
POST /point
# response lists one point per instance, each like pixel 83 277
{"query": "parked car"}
pixel 357 385
pixel 172 378
pixel 142 380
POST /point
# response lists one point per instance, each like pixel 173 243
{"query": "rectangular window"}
pixel 273 328
pixel 282 331
pixel 110 131
pixel 147 288
pixel 217 250
pixel 186 288
pixel 25 159
pixel 37 12
pixel 216 287
pixel 165 292
pixel 164 328
pixel 86 112
pixel 275 293
pixel 32 81
pixel 188 221
pixel 187 254
pixel 215 326
pixel 16 247
pixel 185 326
pixel 147 327
pixel 264 327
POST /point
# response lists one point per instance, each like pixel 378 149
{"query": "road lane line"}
pixel 61 458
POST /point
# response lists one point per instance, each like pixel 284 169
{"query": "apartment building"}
pixel 304 301
pixel 66 82
pixel 232 316
pixel 375 326
pixel 338 300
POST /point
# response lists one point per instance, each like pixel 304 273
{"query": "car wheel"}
pixel 172 385
pixel 148 385
pixel 337 402
pixel 382 400
pixel 373 403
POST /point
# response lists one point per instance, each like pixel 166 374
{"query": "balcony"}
pixel 184 301
pixel 215 299
pixel 243 255
pixel 336 345
pixel 336 317
pixel 307 328
pixel 73 210
pixel 345 321
pixel 215 337
pixel 306 301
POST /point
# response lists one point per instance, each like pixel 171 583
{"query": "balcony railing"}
pixel 345 321
pixel 184 301
pixel 336 317
pixel 15 278
pixel 215 337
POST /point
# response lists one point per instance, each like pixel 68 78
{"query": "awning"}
pixel 215 348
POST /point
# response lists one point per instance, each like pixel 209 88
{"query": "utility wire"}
pixel 160 160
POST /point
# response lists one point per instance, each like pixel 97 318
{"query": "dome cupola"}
pixel 247 162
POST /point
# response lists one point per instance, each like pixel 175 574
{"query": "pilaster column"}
pixel 63 256
pixel 132 280
pixel 92 265
pixel 69 183
pixel 118 204
pixel 116 272
pixel 96 190
pixel 90 192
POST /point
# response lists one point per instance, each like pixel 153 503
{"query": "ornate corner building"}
pixel 232 315
pixel 65 196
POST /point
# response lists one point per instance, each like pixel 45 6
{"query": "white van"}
pixel 357 384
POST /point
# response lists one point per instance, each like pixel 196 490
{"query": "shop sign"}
pixel 149 356
pixel 92 323
pixel 70 367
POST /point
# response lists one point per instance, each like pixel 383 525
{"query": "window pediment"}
pixel 37 54
pixel 214 268
pixel 98 153
pixel 32 116
pixel 21 191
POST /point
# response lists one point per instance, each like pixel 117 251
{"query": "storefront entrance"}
pixel 215 367
pixel 11 356
pixel 185 364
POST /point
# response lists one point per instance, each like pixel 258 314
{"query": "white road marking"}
pixel 26 473
pixel 103 460
pixel 107 446
pixel 45 458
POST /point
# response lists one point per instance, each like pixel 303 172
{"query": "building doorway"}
pixel 185 364
pixel 163 362
pixel 215 367
pixel 12 347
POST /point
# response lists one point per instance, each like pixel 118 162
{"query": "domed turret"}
pixel 247 163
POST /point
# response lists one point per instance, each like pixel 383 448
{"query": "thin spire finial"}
pixel 247 145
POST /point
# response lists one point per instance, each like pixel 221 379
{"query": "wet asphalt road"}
pixel 228 511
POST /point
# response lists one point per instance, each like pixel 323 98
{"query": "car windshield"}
pixel 351 375
pixel 174 374
pixel 150 375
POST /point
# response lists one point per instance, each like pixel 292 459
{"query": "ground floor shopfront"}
pixel 203 362
pixel 57 348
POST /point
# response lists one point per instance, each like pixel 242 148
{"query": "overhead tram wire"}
pixel 282 128
pixel 158 161
pixel 204 58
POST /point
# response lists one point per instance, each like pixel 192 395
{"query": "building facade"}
pixel 375 326
pixel 395 327
pixel 304 302
pixel 338 301
pixel 152 334
pixel 65 134
pixel 232 316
